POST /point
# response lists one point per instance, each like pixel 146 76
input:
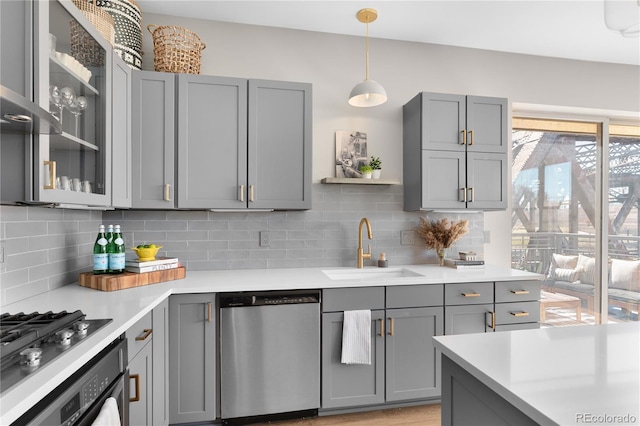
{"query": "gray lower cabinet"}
pixel 153 139
pixel 148 368
pixel 517 305
pixel 468 307
pixel 455 152
pixel 404 363
pixel 192 358
pixel 121 133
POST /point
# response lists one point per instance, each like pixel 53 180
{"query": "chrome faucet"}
pixel 361 254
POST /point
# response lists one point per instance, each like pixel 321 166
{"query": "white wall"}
pixel 334 64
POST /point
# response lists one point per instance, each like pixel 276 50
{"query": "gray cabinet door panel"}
pixel 443 119
pixel 160 344
pixel 279 143
pixel 350 385
pixel 487 180
pixel 517 312
pixel 212 141
pixel 467 319
pixel 141 387
pixel 468 293
pixel 414 296
pixel 352 298
pixel 192 356
pixel 121 133
pixel 153 139
pixel 443 179
pixel 487 119
pixel 412 361
pixel 516 291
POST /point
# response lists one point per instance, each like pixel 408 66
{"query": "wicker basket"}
pixel 100 18
pixel 176 49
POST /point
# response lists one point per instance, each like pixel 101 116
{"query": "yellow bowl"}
pixel 146 253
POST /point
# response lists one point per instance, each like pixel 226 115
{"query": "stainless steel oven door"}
pixel 120 392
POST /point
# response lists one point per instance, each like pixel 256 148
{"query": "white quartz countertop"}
pixel 126 307
pixel 558 376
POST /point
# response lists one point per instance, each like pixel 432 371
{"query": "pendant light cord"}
pixel 366 77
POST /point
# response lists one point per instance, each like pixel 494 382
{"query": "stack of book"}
pixel 464 264
pixel 158 264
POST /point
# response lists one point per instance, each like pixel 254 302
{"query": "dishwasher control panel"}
pixel 229 300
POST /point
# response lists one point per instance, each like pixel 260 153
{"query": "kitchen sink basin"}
pixel 370 274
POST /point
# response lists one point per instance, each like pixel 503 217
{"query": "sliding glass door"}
pixel 560 218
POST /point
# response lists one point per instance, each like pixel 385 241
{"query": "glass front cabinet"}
pixel 72 80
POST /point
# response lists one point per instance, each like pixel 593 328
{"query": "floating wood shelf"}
pixel 361 181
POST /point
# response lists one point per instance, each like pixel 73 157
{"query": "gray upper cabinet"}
pixel 212 142
pixel 455 152
pixel 280 158
pixel 153 139
pixel 121 134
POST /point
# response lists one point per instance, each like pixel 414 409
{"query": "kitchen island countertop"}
pixel 126 307
pixel 556 376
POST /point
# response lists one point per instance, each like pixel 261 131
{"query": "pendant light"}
pixel 368 93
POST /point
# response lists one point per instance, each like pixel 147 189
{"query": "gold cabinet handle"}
pixel 52 174
pixel 209 312
pixel 492 323
pixel 470 137
pixel 391 326
pixel 464 194
pixel 470 294
pixel 472 195
pixel 135 377
pixel 381 324
pixel 520 314
pixel 520 291
pixel 251 193
pixel 464 136
pixel 146 333
pixel 167 192
pixel 241 192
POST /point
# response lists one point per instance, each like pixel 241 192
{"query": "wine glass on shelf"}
pixel 78 105
pixel 68 96
pixel 55 97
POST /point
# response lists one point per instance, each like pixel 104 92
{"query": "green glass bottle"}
pixel 100 255
pixel 116 250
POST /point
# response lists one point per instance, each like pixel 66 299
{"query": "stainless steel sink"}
pixel 369 273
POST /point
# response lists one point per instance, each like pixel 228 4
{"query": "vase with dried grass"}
pixel 440 234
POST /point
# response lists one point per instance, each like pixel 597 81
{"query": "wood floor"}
pixel 425 415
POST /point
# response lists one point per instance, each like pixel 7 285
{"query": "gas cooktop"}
pixel 30 341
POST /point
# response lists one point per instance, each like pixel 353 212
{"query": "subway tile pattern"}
pixel 47 248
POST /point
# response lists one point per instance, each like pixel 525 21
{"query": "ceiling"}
pixel 572 29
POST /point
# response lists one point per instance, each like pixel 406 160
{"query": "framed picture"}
pixel 351 153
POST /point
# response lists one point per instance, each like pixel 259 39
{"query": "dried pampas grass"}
pixel 441 234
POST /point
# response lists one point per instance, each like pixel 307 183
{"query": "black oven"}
pixel 79 399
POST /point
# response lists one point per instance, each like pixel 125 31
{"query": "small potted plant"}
pixel 376 166
pixel 366 171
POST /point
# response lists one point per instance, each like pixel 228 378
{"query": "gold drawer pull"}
pixel 464 194
pixel 251 196
pixel 147 333
pixel 381 324
pixel 520 291
pixel 520 314
pixel 470 294
pixel 464 136
pixel 471 137
pixel 241 193
pixel 52 175
pixel 391 326
pixel 209 312
pixel 135 377
pixel 167 192
pixel 492 324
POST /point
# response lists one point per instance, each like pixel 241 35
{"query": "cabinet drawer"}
pixel 515 291
pixel 468 293
pixel 523 326
pixel 415 296
pixel 139 335
pixel 352 298
pixel 517 312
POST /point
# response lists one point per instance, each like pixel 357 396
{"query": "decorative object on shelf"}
pixel 127 17
pixel 623 16
pixel 100 18
pixel 440 234
pixel 351 153
pixel 366 171
pixel 56 99
pixel 376 166
pixel 146 252
pixel 76 107
pixel 367 93
pixel 176 49
pixel 84 48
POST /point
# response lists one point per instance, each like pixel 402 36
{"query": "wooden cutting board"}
pixel 109 282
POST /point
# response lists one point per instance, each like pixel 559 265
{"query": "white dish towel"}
pixel 109 414
pixel 356 337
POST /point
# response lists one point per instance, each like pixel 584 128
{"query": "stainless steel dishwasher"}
pixel 269 353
